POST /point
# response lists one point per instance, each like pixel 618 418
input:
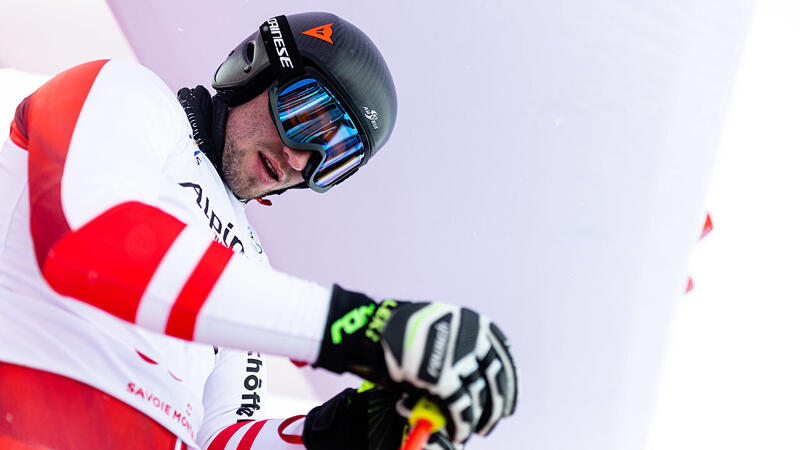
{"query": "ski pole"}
pixel 425 419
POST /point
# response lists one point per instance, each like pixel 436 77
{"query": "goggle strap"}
pixel 284 57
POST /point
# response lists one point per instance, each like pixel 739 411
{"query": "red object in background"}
pixel 707 227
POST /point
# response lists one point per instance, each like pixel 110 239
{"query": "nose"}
pixel 297 159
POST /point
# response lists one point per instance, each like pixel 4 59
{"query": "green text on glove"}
pixel 379 321
pixel 351 322
pixel 355 319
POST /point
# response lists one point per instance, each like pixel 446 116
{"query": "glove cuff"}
pixel 351 340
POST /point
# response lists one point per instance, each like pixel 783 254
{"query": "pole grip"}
pixel 426 418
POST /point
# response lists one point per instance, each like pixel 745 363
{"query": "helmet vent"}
pixel 250 51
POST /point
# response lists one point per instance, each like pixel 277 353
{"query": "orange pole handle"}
pixel 426 418
pixel 419 435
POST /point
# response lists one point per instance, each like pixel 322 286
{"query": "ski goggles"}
pixel 308 116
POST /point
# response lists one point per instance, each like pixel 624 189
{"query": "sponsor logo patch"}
pixel 226 235
pixel 324 32
pixel 372 116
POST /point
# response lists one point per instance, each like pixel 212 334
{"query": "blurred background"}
pixel 552 166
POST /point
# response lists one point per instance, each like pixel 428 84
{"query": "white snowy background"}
pixel 731 373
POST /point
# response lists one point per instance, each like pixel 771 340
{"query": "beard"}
pixel 244 187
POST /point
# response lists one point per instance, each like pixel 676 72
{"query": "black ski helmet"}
pixel 342 53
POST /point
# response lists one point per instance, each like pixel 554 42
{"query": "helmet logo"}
pixel 372 116
pixel 323 32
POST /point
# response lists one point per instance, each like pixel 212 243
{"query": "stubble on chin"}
pixel 243 186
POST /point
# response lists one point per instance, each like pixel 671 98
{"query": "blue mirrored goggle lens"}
pixel 309 113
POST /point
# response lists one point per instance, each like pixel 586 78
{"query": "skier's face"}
pixel 254 159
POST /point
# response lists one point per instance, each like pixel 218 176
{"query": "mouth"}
pixel 271 171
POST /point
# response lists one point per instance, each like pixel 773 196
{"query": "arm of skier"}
pixel 235 400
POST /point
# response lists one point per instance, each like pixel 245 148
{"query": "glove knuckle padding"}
pixel 456 355
pixel 417 344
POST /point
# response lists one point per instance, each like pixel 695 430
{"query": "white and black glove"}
pixel 455 356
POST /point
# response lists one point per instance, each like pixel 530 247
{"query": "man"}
pixel 123 228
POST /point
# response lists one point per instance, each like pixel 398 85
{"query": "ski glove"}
pixel 361 420
pixel 455 356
